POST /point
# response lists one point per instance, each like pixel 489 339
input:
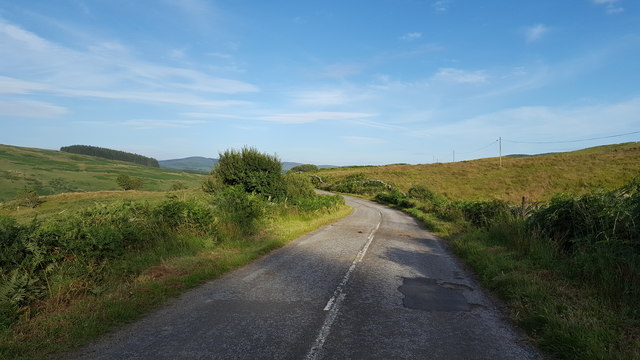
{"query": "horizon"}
pixel 341 83
pixel 366 165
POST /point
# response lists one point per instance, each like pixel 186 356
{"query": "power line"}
pixel 570 141
pixel 475 151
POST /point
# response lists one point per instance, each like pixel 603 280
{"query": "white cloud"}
pixel 31 109
pixel 361 140
pixel 543 123
pixel 308 117
pixel 461 76
pixel 15 86
pixel 156 124
pixel 536 32
pixel 322 97
pixel 441 6
pixel 106 69
pixel 411 36
pixel 611 6
pixel 206 115
pixel 341 71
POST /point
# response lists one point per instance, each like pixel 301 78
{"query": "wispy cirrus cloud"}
pixel 536 32
pixel 107 70
pixel 611 6
pixel 146 124
pixel 363 140
pixel 411 36
pixel 461 76
pixel 341 70
pixel 308 117
pixel 30 109
pixel 441 6
pixel 322 97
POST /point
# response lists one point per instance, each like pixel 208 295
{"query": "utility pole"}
pixel 454 156
pixel 500 141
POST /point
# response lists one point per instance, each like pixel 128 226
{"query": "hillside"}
pixel 54 172
pixel 193 163
pixel 537 177
pixel 110 154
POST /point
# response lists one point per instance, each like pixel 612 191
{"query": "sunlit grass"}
pixel 537 178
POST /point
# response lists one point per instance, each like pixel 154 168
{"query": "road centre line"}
pixel 334 304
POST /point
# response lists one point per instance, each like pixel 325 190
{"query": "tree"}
pixel 129 183
pixel 256 172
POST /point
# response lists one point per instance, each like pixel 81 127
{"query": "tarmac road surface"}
pixel 374 285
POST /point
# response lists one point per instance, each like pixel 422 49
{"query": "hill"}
pixel 537 177
pixel 54 172
pixel 193 163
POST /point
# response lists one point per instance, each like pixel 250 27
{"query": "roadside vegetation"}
pixel 566 265
pixel 87 264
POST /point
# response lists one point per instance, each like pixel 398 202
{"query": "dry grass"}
pixel 538 178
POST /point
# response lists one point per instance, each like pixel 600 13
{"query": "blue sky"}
pixel 343 82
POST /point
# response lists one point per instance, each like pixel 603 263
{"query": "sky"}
pixel 339 82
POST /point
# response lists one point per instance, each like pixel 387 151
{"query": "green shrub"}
pixel 298 187
pixel 395 198
pixel 11 249
pixel 127 182
pixel 28 197
pixel 239 211
pixel 574 221
pixel 484 213
pixel 255 172
pixel 185 215
pixel 422 193
pixel 178 185
pixel 358 184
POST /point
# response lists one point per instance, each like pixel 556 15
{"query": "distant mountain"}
pixel 204 165
pixel 194 164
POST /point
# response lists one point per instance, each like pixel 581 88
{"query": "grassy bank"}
pixel 567 316
pixel 73 276
pixel 537 178
pixel 53 172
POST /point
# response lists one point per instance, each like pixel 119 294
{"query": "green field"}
pixel 537 178
pixel 53 172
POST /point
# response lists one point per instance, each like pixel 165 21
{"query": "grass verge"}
pixel 564 316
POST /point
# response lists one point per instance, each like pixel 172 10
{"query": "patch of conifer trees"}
pixel 110 154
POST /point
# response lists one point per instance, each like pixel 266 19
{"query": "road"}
pixel 374 285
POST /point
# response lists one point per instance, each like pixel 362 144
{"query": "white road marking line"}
pixel 334 304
